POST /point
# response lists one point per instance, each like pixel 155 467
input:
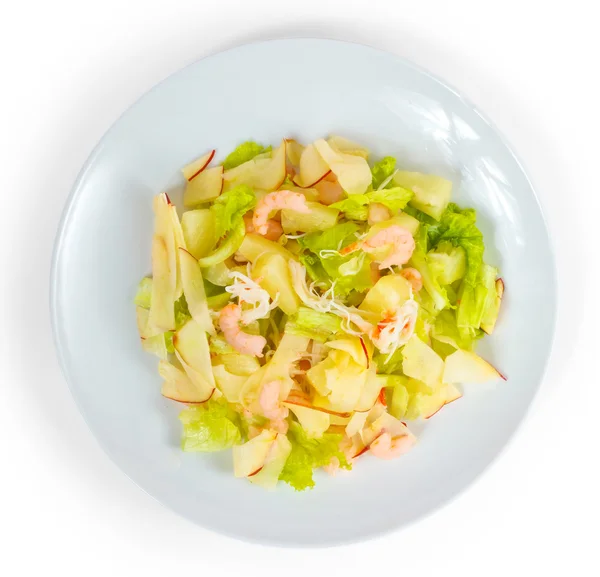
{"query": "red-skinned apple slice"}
pixel 341 144
pixel 357 422
pixel 205 187
pixel 385 422
pixel 467 367
pixel 249 458
pixel 312 168
pixel 193 169
pixel 370 392
pixel 162 308
pixel 191 345
pixel 353 172
pixel 294 152
pixel 268 475
pixel 313 421
pixel 265 174
pixel 451 395
pixel 177 386
pixel 193 289
pixel 297 398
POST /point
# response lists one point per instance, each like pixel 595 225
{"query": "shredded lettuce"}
pixel 382 170
pixel 230 207
pixel 308 454
pixel 243 153
pixel 212 426
pixel 356 207
pixel 182 313
pixel 313 324
pixel 143 297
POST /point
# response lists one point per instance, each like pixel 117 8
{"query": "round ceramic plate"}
pixel 103 249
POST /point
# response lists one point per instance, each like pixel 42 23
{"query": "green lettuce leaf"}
pixel 212 426
pixel 445 330
pixel 143 296
pixel 230 207
pixel 349 272
pixel 308 454
pixel 382 170
pixel 389 366
pixel 227 246
pixel 313 324
pixel 355 207
pixel 182 313
pixel 243 153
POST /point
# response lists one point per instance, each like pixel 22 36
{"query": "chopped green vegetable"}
pixel 313 324
pixel 382 170
pixel 243 153
pixel 143 296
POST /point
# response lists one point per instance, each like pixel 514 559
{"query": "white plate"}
pixel 266 91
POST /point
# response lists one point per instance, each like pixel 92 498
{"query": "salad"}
pixel 308 305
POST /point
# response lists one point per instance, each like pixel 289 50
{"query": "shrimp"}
pixel 332 467
pixel 271 406
pixel 387 447
pixel 274 229
pixel 378 213
pixel 229 322
pixel 413 276
pixel 329 192
pixel 401 240
pixel 395 328
pixel 273 202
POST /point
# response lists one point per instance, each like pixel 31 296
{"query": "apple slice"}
pixel 229 384
pixel 178 386
pixel 355 347
pixel 194 168
pixel 249 458
pixel 268 476
pixel 265 174
pixel 204 188
pixel 353 172
pixel 370 392
pixel 294 151
pixel 446 396
pixel 312 168
pixel 356 423
pixel 421 362
pixel 179 242
pixel 193 289
pixel 319 404
pixel 341 144
pixel 385 422
pixel 162 307
pixel 191 346
pixel 492 309
pixel 142 316
pixel 198 228
pixel 467 367
pixel 313 421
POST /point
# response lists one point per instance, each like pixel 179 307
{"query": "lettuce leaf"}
pixel 230 207
pixel 308 454
pixel 389 366
pixel 382 170
pixel 313 324
pixel 212 426
pixel 182 313
pixel 349 272
pixel 356 207
pixel 243 153
pixel 143 296
pixel 227 246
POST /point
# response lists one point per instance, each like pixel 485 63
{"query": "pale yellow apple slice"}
pixel 198 228
pixel 191 345
pixel 193 169
pixel 490 315
pixel 341 144
pixel 294 151
pixel 162 306
pixel 356 423
pixel 249 458
pixel 353 172
pixel 314 422
pixel 312 168
pixel 142 316
pixel 389 293
pixel 385 422
pixel 370 391
pixel 179 387
pixel 355 347
pixel 467 367
pixel 179 243
pixel 193 289
pixel 421 362
pixel 254 245
pixel 276 279
pixel 229 384
pixel 268 476
pixel 266 174
pixel 318 404
pixel 204 188
pixel 440 399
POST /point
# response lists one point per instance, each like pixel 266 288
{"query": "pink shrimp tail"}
pixel 273 202
pixel 229 322
pixel 402 241
pixel 386 447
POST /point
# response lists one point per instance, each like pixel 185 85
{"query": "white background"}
pixel 70 68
